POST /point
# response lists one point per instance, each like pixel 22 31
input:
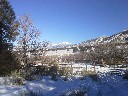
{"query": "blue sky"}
pixel 74 20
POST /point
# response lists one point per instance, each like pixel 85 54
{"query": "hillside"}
pixel 121 37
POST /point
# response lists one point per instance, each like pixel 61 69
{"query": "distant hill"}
pixel 121 37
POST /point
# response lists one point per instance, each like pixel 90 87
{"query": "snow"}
pixel 108 86
pixel 52 88
pixel 11 90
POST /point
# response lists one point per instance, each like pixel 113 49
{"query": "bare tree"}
pixel 27 39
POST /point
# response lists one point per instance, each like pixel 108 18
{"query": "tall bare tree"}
pixel 27 39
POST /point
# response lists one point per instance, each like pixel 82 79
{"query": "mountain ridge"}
pixel 121 37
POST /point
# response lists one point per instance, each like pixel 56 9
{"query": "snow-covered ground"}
pixel 106 86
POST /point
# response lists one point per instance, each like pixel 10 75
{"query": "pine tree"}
pixel 8 28
pixel 7 25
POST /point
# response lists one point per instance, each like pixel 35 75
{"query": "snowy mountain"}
pixel 61 45
pixel 95 41
pixel 121 37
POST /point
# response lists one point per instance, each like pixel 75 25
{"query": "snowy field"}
pixel 106 86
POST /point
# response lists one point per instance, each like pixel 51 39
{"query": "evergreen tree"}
pixel 8 28
pixel 7 25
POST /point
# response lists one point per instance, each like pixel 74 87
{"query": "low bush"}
pixel 91 74
pixel 17 78
pixel 34 72
pixel 54 71
pixel 66 72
